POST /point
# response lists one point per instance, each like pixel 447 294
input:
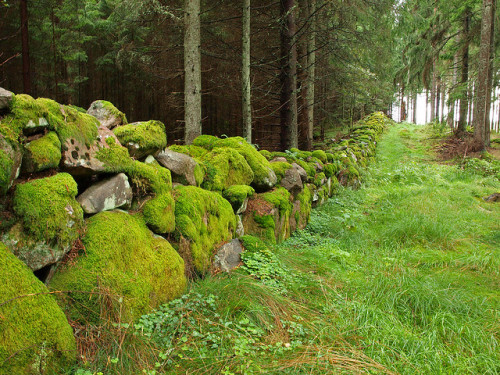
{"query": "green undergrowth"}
pixel 398 277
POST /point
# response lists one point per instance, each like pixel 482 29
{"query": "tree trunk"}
pixel 288 76
pixel 481 107
pixel 490 89
pixel 451 97
pixel 438 97
pixel 443 97
pixel 414 114
pixel 192 70
pixel 311 74
pixel 25 47
pixel 464 103
pixel 245 74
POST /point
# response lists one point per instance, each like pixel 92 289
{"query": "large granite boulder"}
pixel 107 195
pixel 108 115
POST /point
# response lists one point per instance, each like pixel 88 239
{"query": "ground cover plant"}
pixel 398 277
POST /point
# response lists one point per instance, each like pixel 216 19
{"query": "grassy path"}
pixel 400 276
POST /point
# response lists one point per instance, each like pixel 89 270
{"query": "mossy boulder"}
pixel 42 153
pixel 280 168
pixel 184 168
pixel 142 138
pixel 321 155
pixel 10 163
pixel 35 336
pixel 226 167
pixel 191 150
pixel 108 115
pixel 50 220
pixel 124 272
pixel 204 219
pixel 238 195
pixel 264 177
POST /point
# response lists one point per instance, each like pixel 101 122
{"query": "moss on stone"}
pixel 304 155
pixel 321 155
pixel 35 336
pixel 113 111
pixel 304 213
pixel 6 164
pixel 49 210
pixel 205 141
pixel 142 138
pixel 159 213
pixel 125 271
pixel 280 169
pixel 330 169
pixel 237 194
pixel 253 244
pixel 43 153
pixel 205 219
pixel 226 167
pixel 266 154
pixel 309 168
pixel 191 150
pixel 319 179
pixel 280 198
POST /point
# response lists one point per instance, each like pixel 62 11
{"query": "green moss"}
pixel 124 273
pixel 205 219
pixel 226 167
pixel 66 121
pixel 280 168
pixel 329 157
pixel 320 177
pixel 44 153
pixel 205 141
pixel 321 155
pixel 191 150
pixel 303 215
pixel 49 210
pixel 35 336
pixel 330 169
pixel 142 138
pixel 237 194
pixel 6 164
pixel 266 154
pixel 304 155
pixel 115 112
pixel 309 168
pixel 253 244
pixel 159 213
pixel 280 198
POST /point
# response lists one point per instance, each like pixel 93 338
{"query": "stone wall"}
pixel 105 211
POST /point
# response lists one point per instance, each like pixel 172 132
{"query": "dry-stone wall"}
pixel 108 214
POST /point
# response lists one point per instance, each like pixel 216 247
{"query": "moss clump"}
pixel 309 168
pixel 304 155
pixel 142 138
pixel 279 198
pixel 321 155
pixel 126 269
pixel 49 210
pixel 205 141
pixel 112 111
pixel 320 179
pixel 205 219
pixel 66 121
pixel 253 244
pixel 43 153
pixel 266 154
pixel 148 179
pixel 303 214
pixel 237 194
pixel 35 336
pixel 280 168
pixel 6 164
pixel 191 150
pixel 226 167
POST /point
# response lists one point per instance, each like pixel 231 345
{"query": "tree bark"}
pixel 288 76
pixel 245 73
pixel 481 107
pixel 414 113
pixel 192 70
pixel 433 92
pixel 311 74
pixel 464 103
pixel 25 46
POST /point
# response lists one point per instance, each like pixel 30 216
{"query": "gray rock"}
pixel 240 229
pixel 266 183
pixel 292 180
pixel 243 207
pixel 78 159
pixel 5 100
pixel 280 159
pixel 228 257
pixel 36 127
pixel 302 172
pixel 11 167
pixel 492 198
pixel 183 167
pixel 106 195
pixel 107 114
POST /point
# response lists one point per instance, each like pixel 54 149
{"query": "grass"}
pixel 398 277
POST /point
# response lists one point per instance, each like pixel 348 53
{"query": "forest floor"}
pixel 401 276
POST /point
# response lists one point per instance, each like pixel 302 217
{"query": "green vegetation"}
pixel 237 194
pixel 43 153
pixel 124 272
pixel 48 209
pixel 400 276
pixel 142 138
pixel 35 336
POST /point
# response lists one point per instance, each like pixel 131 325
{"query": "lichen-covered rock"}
pixel 108 115
pixel 268 215
pixel 10 163
pixel 35 337
pixel 51 220
pixel 264 177
pixel 301 171
pixel 292 180
pixel 5 99
pixel 125 271
pixel 280 166
pixel 228 256
pixel 142 138
pixel 106 195
pixel 150 180
pixel 226 167
pixel 184 169
pixel 203 219
pixel 42 153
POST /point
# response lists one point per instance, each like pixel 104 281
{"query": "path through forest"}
pixel 399 276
